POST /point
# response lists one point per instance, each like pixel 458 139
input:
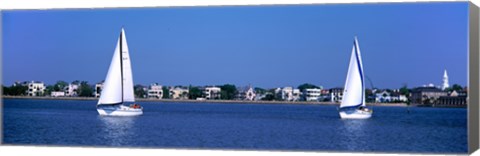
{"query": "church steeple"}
pixel 445 80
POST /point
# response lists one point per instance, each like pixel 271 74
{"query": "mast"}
pixel 121 61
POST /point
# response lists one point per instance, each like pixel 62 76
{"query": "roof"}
pixel 426 89
pixel 244 89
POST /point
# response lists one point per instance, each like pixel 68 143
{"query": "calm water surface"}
pixel 236 126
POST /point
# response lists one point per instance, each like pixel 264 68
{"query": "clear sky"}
pixel 265 46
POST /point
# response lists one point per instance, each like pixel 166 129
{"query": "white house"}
pixel 336 94
pixel 155 91
pixel 71 89
pixel 312 94
pixel 35 88
pixel 290 94
pixel 383 96
pixel 98 89
pixel 394 96
pixel 212 92
pixel 246 93
pixel 178 93
pixel 397 97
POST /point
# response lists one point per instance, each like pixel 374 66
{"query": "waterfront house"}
pixel 396 96
pixel 155 91
pixel 311 94
pixel 98 89
pixel 296 95
pixel 426 95
pixel 35 88
pixel 71 89
pixel 290 94
pixel 324 95
pixel 336 94
pixel 246 93
pixel 383 96
pixel 212 92
pixel 178 93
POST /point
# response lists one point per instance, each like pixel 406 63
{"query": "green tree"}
pixel 304 86
pixel 369 95
pixel 269 97
pixel 5 90
pixel 49 89
pixel 259 90
pixel 85 90
pixel 405 91
pixel 15 90
pixel 76 82
pixel 457 87
pixel 166 92
pixel 139 92
pixel 195 92
pixel 228 91
pixel 60 85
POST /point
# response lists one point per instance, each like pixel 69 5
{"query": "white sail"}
pixel 354 94
pixel 128 95
pixel 114 90
pixel 112 87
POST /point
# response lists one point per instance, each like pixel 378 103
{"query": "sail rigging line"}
pixel 121 62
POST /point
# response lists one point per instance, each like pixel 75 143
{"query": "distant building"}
pixel 246 93
pixel 35 88
pixel 397 97
pixel 98 89
pixel 71 89
pixel 290 94
pixel 296 95
pixel 212 92
pixel 336 94
pixel 325 95
pixel 155 91
pixel 178 93
pixel 454 99
pixel 383 96
pixel 445 84
pixel 312 94
pixel 426 95
pixel 57 94
pixel 389 96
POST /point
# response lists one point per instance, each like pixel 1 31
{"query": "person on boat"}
pixel 135 106
pixel 364 109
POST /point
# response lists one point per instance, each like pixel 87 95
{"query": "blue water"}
pixel 236 126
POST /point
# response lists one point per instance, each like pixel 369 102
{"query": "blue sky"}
pixel 265 46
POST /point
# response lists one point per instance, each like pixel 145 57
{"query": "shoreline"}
pixel 205 101
pixel 229 101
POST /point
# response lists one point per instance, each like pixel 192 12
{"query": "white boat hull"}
pixel 119 111
pixel 357 114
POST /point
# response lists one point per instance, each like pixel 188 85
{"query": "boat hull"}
pixel 356 114
pixel 119 111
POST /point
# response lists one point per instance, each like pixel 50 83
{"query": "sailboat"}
pixel 118 86
pixel 353 102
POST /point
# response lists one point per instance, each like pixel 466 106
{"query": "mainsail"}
pixel 118 85
pixel 354 94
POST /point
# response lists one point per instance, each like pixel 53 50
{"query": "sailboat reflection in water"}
pixel 118 85
pixel 117 131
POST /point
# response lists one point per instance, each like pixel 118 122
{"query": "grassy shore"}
pixel 204 101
